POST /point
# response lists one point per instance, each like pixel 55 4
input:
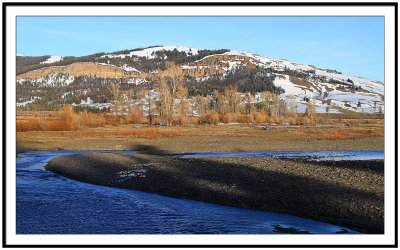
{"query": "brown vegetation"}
pixel 66 120
pixel 339 134
pixel 150 133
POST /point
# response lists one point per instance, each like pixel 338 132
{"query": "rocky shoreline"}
pixel 345 193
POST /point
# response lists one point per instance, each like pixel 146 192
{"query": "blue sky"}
pixel 352 45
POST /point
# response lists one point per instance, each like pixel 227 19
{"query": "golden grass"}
pixel 75 125
pixel 337 134
pixel 150 133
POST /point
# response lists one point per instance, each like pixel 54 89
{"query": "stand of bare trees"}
pixel 169 102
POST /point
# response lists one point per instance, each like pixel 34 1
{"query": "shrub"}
pixel 194 120
pixel 305 121
pixel 135 116
pixel 210 118
pixel 274 119
pixel 69 119
pixel 180 120
pixel 92 120
pixel 21 126
pixel 258 117
pixel 249 118
pixel 113 120
pixel 291 120
pixel 226 118
pixel 54 125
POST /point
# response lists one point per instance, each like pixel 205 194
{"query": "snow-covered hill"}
pixel 330 90
pixel 333 91
pixel 150 52
pixel 329 99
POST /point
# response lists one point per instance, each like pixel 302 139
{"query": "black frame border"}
pixel 199 4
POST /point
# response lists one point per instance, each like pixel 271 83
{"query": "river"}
pixel 48 203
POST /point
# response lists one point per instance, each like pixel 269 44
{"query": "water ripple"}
pixel 50 204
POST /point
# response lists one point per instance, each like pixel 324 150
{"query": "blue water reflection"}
pixel 48 203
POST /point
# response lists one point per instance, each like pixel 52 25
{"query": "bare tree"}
pixel 126 99
pixel 270 102
pixel 175 75
pixel 149 103
pixel 208 105
pixel 283 108
pixel 249 103
pixel 165 99
pixel 221 104
pixel 116 95
pixel 310 112
pixel 233 99
pixel 292 106
pixel 182 107
pixel 168 84
pixel 202 104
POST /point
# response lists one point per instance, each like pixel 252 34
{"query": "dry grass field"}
pixel 70 131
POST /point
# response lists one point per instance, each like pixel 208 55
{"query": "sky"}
pixel 351 45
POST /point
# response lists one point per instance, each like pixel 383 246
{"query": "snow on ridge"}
pixel 20 55
pixel 370 85
pixel 267 62
pixel 127 68
pixel 53 59
pixel 148 52
pixel 272 62
pixel 280 64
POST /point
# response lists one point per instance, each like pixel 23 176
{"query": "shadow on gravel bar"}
pixel 301 192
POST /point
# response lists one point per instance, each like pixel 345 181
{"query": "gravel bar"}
pixel 345 193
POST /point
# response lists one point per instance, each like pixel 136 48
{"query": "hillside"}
pixel 52 81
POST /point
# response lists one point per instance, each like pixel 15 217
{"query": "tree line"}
pixel 26 64
pixel 170 98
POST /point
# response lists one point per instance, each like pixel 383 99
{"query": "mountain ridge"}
pixel 204 70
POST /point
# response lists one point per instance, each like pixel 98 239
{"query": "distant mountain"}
pixel 58 80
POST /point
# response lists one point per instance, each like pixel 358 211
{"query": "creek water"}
pixel 47 203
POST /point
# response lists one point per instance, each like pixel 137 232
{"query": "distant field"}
pixel 67 120
pixel 106 132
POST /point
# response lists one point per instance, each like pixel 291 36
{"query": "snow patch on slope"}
pixel 33 99
pixel 150 52
pixel 53 79
pixel 53 59
pixel 370 85
pixel 290 88
pixel 127 68
pixel 335 99
pixel 272 62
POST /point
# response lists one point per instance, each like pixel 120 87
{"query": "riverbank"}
pixel 345 193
